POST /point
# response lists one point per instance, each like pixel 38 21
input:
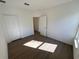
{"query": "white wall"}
pixel 76 53
pixel 62 21
pixel 24 23
pixel 3 44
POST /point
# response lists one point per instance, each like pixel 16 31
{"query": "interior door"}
pixel 11 28
pixel 42 25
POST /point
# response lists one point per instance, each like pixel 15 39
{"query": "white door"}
pixel 42 25
pixel 11 28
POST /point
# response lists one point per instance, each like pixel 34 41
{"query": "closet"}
pixel 10 27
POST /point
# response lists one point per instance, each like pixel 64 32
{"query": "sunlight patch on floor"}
pixel 48 47
pixel 33 43
pixel 42 45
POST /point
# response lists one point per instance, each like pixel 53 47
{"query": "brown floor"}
pixel 18 51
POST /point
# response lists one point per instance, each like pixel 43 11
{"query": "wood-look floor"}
pixel 18 51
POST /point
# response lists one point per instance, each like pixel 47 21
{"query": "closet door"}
pixel 11 28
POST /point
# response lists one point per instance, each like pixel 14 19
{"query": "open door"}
pixel 43 25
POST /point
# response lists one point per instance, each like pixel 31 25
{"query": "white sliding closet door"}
pixel 11 28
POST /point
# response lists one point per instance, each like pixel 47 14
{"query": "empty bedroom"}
pixel 39 29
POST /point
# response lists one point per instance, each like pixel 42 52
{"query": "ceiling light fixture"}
pixel 26 4
pixel 2 1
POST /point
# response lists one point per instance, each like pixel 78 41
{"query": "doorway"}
pixel 36 25
pixel 40 25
